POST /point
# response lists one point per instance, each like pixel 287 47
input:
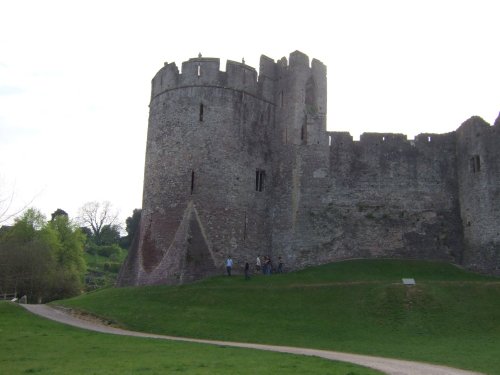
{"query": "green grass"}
pixel 102 271
pixel 29 344
pixel 450 317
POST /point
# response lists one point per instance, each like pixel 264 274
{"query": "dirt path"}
pixel 389 366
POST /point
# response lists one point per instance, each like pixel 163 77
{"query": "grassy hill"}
pixel 450 317
pixel 29 344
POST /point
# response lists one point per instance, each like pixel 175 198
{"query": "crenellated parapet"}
pixel 296 84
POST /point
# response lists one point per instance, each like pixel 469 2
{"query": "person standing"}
pixel 247 271
pixel 229 265
pixel 280 265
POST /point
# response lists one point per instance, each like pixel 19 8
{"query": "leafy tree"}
pixel 58 212
pixel 42 260
pixel 132 227
pixel 70 264
pixel 110 234
pixel 132 223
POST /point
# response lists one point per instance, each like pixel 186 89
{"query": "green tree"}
pixel 70 263
pixel 132 223
pixel 132 227
pixel 42 260
pixel 110 234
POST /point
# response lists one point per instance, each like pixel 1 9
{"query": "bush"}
pixel 104 250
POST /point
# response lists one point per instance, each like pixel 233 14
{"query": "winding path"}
pixel 386 365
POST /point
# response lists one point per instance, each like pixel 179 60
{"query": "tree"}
pixel 132 222
pixel 70 264
pixel 97 215
pixel 42 260
pixel 132 227
pixel 58 212
pixel 110 234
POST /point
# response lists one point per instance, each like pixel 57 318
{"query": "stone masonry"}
pixel 241 164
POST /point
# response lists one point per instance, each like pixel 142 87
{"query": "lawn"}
pixel 33 345
pixel 450 317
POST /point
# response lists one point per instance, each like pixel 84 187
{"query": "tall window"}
pixel 259 179
pixel 475 164
pixel 201 112
pixel 192 182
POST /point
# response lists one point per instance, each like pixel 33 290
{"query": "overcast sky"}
pixel 75 77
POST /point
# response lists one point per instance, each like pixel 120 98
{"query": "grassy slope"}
pixel 29 344
pixel 451 317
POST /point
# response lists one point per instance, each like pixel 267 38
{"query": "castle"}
pixel 241 163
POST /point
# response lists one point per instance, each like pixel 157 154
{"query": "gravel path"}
pixel 386 365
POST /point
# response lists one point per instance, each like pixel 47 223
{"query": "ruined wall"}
pixel 383 196
pixel 478 155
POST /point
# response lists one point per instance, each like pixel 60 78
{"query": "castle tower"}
pixel 207 172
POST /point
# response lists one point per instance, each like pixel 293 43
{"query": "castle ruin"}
pixel 241 163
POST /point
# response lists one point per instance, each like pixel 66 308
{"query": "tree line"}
pixel 44 259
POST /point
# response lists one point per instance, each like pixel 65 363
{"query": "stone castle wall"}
pixel 241 164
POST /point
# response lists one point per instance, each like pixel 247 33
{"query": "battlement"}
pixel 205 71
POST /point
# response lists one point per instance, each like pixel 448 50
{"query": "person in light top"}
pixel 229 265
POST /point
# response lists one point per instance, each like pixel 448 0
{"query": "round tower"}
pixel 206 174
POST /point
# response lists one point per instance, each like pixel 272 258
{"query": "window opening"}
pixel 199 70
pixel 383 139
pixel 329 140
pixel 201 111
pixel 475 164
pixel 192 182
pixel 259 179
pixel 428 139
pixel 245 227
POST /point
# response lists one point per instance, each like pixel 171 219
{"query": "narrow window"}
pixel 475 164
pixel 192 182
pixel 428 139
pixel 245 227
pixel 329 140
pixel 201 112
pixel 383 139
pixel 199 70
pixel 259 179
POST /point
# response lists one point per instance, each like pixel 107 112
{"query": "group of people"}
pixel 265 266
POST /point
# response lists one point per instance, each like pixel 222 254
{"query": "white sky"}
pixel 75 77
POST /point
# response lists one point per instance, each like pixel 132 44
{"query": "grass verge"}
pixel 30 344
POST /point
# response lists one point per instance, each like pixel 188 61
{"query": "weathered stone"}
pixel 243 165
